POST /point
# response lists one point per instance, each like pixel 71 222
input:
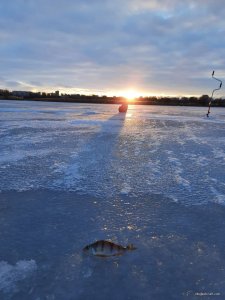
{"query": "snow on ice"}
pixel 174 151
pixel 11 274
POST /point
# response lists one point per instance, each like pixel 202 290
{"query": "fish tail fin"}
pixel 131 247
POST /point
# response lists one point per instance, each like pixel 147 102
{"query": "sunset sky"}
pixel 167 47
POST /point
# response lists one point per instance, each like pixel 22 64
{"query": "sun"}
pixel 130 95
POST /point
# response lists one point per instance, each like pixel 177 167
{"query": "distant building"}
pixel 57 93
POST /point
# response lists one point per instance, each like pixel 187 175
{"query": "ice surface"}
pixel 74 173
pixel 174 151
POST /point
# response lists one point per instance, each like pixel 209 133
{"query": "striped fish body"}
pixel 105 249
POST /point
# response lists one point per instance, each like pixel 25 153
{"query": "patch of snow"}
pixel 10 275
pixel 219 198
pixel 126 189
pixel 219 154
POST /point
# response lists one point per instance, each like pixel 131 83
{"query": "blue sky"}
pixel 111 47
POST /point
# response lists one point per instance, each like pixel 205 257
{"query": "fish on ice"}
pixel 106 248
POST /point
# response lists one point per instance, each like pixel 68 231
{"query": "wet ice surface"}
pixel 72 173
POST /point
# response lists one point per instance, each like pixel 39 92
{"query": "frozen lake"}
pixel 71 174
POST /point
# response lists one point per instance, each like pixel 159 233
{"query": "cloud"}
pixel 162 47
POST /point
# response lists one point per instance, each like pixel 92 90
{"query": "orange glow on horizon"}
pixel 130 95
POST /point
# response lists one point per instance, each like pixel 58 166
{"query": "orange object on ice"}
pixel 123 108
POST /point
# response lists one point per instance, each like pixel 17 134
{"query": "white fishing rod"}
pixel 220 81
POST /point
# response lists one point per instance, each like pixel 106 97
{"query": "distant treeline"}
pixel 55 97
